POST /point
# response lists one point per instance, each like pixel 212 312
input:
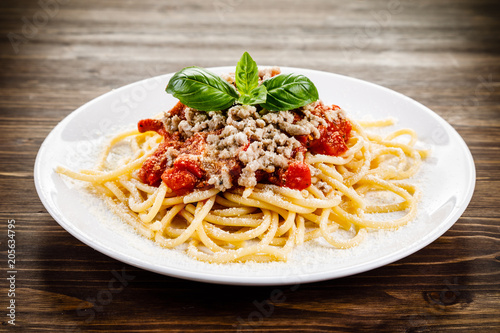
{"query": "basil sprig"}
pixel 203 90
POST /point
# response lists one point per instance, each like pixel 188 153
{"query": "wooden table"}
pixel 58 54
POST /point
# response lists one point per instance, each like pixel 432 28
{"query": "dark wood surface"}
pixel 57 56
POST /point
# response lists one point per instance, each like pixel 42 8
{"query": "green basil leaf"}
pixel 258 95
pixel 289 91
pixel 247 74
pixel 202 90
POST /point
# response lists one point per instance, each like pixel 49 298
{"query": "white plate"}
pixel 447 179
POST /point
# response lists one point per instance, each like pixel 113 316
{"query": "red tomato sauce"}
pixel 333 138
pixel 297 176
pixel 188 173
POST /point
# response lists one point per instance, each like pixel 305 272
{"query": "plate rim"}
pixel 210 277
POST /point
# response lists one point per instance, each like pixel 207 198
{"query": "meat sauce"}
pixel 186 172
pixel 189 173
pixel 333 137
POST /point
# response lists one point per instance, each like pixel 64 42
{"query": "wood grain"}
pixel 444 54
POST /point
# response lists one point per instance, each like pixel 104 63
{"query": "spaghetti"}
pixel 230 210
